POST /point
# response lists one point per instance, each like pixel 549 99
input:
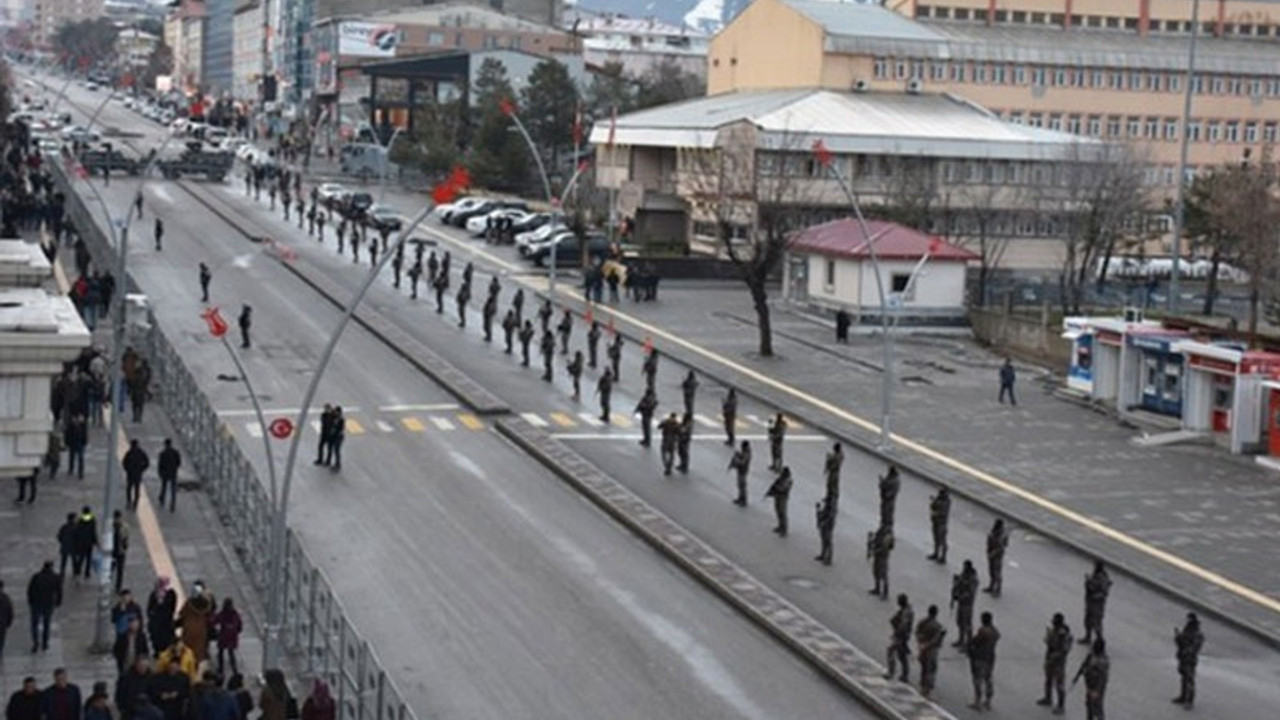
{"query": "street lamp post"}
pixel 1179 194
pixel 509 109
pixel 386 164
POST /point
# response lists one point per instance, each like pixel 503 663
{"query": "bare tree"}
pixel 910 191
pixel 1245 206
pixel 754 200
pixel 977 224
pixel 1205 230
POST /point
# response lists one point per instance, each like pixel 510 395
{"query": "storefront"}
pixel 1080 367
pixel 1115 367
pixel 1225 392
pixel 1270 456
pixel 1153 371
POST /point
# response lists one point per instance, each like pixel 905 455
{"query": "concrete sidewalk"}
pixel 1191 519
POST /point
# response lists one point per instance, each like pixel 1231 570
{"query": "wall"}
pixel 216 63
pixel 1031 336
pixel 246 54
pixel 768 45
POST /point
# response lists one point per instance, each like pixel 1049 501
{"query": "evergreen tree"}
pixel 497 156
pixel 550 102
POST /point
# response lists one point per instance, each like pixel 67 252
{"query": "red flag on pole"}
pixel 508 108
pixel 935 245
pixel 821 153
pixel 217 326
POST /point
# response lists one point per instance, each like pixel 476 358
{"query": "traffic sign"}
pixel 281 428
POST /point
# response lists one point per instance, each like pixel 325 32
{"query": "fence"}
pixel 316 627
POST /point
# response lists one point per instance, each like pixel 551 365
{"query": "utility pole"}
pixel 1179 192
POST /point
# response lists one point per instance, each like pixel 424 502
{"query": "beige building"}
pixel 52 14
pixel 246 51
pixel 184 34
pixel 1111 69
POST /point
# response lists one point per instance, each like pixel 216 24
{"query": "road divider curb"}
pixel 836 657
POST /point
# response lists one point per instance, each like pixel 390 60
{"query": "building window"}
pixel 1153 128
pixel 1057 19
pixel 1251 132
pixel 1255 87
pixel 1233 132
pixel 957 72
pixel 917 70
pixel 1236 86
pixel 1197 84
pixel 1036 120
pixel 1094 21
pixel 1059 77
pixel 942 13
pixel 995 172
pixel 1273 87
pixel 1073 124
pixel 1175 83
pixel 1095 126
pixel 979 73
pixel 1153 81
pixel 962 13
pixel 1055 122
pixel 1016 117
pixel 1193 131
pixel 1215 85
pixel 830 273
pixel 1002 16
pixel 1269 132
pixel 1097 78
pixel 1135 81
pixel 1037 18
pixel 900 69
pixel 1020 16
pixel 435 39
pixel 998 74
pixel 1134 127
pixel 881 68
pixel 949 172
pixel 1117 80
pixel 973 171
pixel 1020 75
pixel 1037 75
pixel 1113 22
pixel 1170 128
pixel 922 11
pixel 898 282
pixel 1215 131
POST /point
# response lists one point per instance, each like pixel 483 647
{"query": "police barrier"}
pixel 316 629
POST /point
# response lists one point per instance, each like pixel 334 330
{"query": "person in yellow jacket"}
pixel 185 658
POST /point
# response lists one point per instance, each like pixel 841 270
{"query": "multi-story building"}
pixel 13 12
pixel 246 52
pixel 639 44
pixel 134 48
pixel 53 14
pixel 126 12
pixel 184 34
pixel 216 59
pixel 1111 69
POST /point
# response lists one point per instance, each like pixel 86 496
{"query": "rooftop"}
pixel 871 123
pixel 589 24
pixel 458 14
pixel 35 318
pixel 23 264
pixel 891 241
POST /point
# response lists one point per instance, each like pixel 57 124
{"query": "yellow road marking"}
pixel 471 421
pixel 621 420
pixel 412 424
pixel 562 419
pixel 354 427
pixel 1061 511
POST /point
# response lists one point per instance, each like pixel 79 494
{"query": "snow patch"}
pixel 707 16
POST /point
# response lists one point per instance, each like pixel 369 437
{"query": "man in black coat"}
pixel 61 700
pixel 84 540
pixel 6 616
pixel 135 463
pixel 168 463
pixel 25 703
pixel 67 546
pixel 172 691
pixel 131 684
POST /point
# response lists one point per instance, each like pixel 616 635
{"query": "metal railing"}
pixel 317 630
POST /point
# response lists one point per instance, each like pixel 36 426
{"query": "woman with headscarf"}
pixel 274 699
pixel 162 603
pixel 229 626
pixel 320 706
pixel 196 617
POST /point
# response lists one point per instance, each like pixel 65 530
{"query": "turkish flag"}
pixel 507 107
pixel 217 326
pixel 821 153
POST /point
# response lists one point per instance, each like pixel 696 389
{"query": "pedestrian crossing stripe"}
pixel 533 419
pixel 705 421
pixel 621 420
pixel 471 421
pixel 562 419
pixel 384 426
pixel 254 428
pixel 354 427
pixel 591 420
pixel 441 423
pixel 412 424
pixel 315 425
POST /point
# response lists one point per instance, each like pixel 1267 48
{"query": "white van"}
pixel 366 161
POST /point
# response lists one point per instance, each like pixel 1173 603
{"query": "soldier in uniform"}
pixel 486 317
pixel 397 267
pixel 433 266
pixel 899 650
pixel 997 543
pixel 780 491
pixel 544 315
pixel 650 367
pixel 729 411
pixel 604 388
pixel 320 221
pixel 939 516
pixel 526 336
pixel 548 348
pixel 670 429
pixel 645 409
pixel 740 463
pixel 889 486
pixel 574 368
pixel 690 389
pixel 835 459
pixel 517 304
pixel 509 328
pixel 826 517
pixel 495 287
pixel 615 357
pixel 593 342
pixel 341 231
pixel 686 439
pixel 415 274
pixel 1189 641
pixel 879 545
pixel 440 285
pixel 929 637
pixel 777 433
pixel 964 590
pixel 1097 586
pixel 464 297
pixel 565 329
pixel 1096 670
pixel 468 272
pixel 205 277
pixel 982 662
pixel 1057 645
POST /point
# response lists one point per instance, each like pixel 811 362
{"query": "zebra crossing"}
pixel 569 424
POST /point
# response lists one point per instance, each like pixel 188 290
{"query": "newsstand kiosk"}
pixel 1110 360
pixel 1226 394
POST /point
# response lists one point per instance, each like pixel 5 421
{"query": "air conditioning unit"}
pixel 1133 315
pixel 860 85
pixel 915 87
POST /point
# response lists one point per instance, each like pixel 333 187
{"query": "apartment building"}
pixel 639 44
pixel 246 51
pixel 49 15
pixel 1109 69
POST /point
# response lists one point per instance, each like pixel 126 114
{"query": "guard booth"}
pixel 1152 371
pixel 1113 366
pixel 1270 456
pixel 1226 393
pixel 1079 330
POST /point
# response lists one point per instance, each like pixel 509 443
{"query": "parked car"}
pixel 381 217
pixel 477 224
pixel 460 218
pixel 353 204
pixel 463 205
pixel 328 192
pixel 569 249
pixel 531 221
pixel 526 241
pixel 80 134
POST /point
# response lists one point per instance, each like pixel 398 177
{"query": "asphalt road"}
pixel 487 587
pixel 1238 675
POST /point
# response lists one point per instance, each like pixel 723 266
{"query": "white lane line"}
pixel 590 419
pixel 705 421
pixel 254 429
pixel 249 412
pixel 315 425
pixel 430 407
pixel 700 438
pixel 384 426
pixel 756 420
pixel 441 423
pixel 534 419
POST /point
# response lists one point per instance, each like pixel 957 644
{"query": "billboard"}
pixel 365 39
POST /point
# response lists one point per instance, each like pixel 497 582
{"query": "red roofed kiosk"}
pixel 1224 392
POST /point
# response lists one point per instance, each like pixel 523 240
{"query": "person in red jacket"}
pixel 320 705
pixel 229 626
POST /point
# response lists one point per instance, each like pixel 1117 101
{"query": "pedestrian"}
pixel 271 195
pixel 997 544
pixel 326 432
pixel 227 627
pixel 1007 377
pixel 162 607
pixel 574 369
pixel 548 349
pixel 526 336
pixel 929 637
pixel 415 274
pixel 171 686
pixel 433 267
pixel 831 469
pixel 689 389
pixel 135 463
pixel 212 702
pixel 670 431
pixel 244 700
pixel 167 465
pixel 337 436
pixel 843 321
pixel 879 546
pixel 320 222
pixel 604 388
pixel 1057 646
pixel 195 620
pixel 729 412
pixel 319 705
pixel 890 484
pixel 1097 586
pixel 246 322
pixel 593 343
pixel 274 700
pixel 964 591
pixel 982 662
pixel 685 440
pixel 490 309
pixel 901 625
pixel 26 488
pixel 777 434
pixel 134 682
pixel 300 209
pixel 123 611
pixel 440 286
pixel 25 703
pixel 740 463
pixel 544 315
pixel 1096 670
pixel 130 645
pixel 205 277
pixel 86 538
pixel 6 616
pixel 120 550
pixel 44 593
pixel 939 517
pixel 645 409
pixel 139 384
pixel 463 297
pixel 826 519
pixel 614 351
pixel 52 456
pixel 76 437
pixel 780 491
pixel 61 700
pixel 1189 640
pixel 564 330
pixel 649 368
pixel 67 546
pixel 159 233
pixel 509 324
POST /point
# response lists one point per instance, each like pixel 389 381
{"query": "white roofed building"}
pixel 640 44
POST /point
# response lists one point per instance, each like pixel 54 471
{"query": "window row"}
pixel 979 73
pixel 1150 128
pixel 882 168
pixel 1111 22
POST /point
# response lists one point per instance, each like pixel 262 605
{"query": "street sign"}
pixel 281 428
